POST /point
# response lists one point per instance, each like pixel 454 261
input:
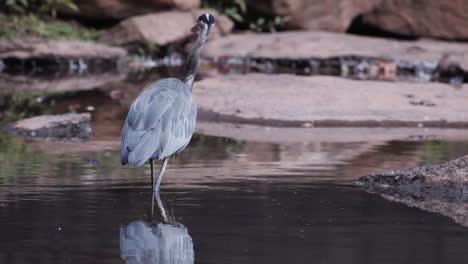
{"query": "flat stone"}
pixel 303 45
pixel 38 48
pixel 311 101
pixel 53 126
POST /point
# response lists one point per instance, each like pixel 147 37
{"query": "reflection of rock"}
pixel 318 101
pixel 66 126
pixel 22 83
pixel 159 28
pixel 303 45
pixel 436 188
pixel 158 244
pixel 457 209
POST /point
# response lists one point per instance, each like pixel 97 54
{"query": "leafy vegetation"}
pixel 245 18
pixel 14 26
pixel 25 18
pixel 38 7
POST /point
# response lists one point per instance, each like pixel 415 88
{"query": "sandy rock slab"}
pixel 40 48
pixel 54 127
pixel 304 45
pixel 436 188
pixel 320 101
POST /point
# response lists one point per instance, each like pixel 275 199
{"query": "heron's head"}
pixel 205 24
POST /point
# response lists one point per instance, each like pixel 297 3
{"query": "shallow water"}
pixel 238 202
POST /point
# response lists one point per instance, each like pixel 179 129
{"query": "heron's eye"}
pixel 207 19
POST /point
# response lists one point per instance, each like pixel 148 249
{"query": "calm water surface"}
pixel 228 202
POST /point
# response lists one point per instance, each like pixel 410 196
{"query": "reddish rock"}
pixel 161 28
pixel 120 9
pixel 291 100
pixel 303 45
pixel 37 48
pixel 437 18
pixel 329 15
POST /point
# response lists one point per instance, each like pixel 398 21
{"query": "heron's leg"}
pixel 161 173
pixel 152 176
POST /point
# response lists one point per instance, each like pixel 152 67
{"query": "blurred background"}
pixel 296 101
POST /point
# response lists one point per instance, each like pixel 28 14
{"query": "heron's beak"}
pixel 195 28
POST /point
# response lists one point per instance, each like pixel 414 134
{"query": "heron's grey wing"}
pixel 178 125
pixel 141 132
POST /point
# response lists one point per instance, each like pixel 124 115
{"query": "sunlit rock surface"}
pixel 54 127
pixel 157 244
pixel 302 45
pixel 160 28
pixel 288 100
pixel 436 188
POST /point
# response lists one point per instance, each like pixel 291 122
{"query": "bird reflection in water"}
pixel 166 242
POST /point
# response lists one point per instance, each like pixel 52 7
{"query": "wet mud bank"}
pixel 439 188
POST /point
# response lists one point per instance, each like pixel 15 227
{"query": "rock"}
pixel 303 45
pixel 25 83
pixel 438 19
pixel 121 9
pixel 437 188
pixel 446 179
pixel 39 48
pixel 161 28
pixel 66 126
pixel 328 15
pixel 290 100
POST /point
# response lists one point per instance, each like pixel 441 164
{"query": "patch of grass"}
pixel 16 26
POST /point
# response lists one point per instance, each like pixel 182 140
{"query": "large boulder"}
pixel 291 100
pixel 120 9
pixel 161 28
pixel 329 15
pixel 436 18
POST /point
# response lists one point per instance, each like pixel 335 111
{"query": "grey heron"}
pixel 161 121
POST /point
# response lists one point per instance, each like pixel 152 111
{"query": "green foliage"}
pixel 237 10
pixel 38 7
pixel 12 27
pixel 20 105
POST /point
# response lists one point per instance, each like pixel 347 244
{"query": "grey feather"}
pixel 159 124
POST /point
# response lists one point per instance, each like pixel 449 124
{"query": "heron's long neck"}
pixel 192 60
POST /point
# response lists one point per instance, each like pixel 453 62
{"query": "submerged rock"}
pixel 305 45
pixel 54 127
pixel 315 101
pixel 436 188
